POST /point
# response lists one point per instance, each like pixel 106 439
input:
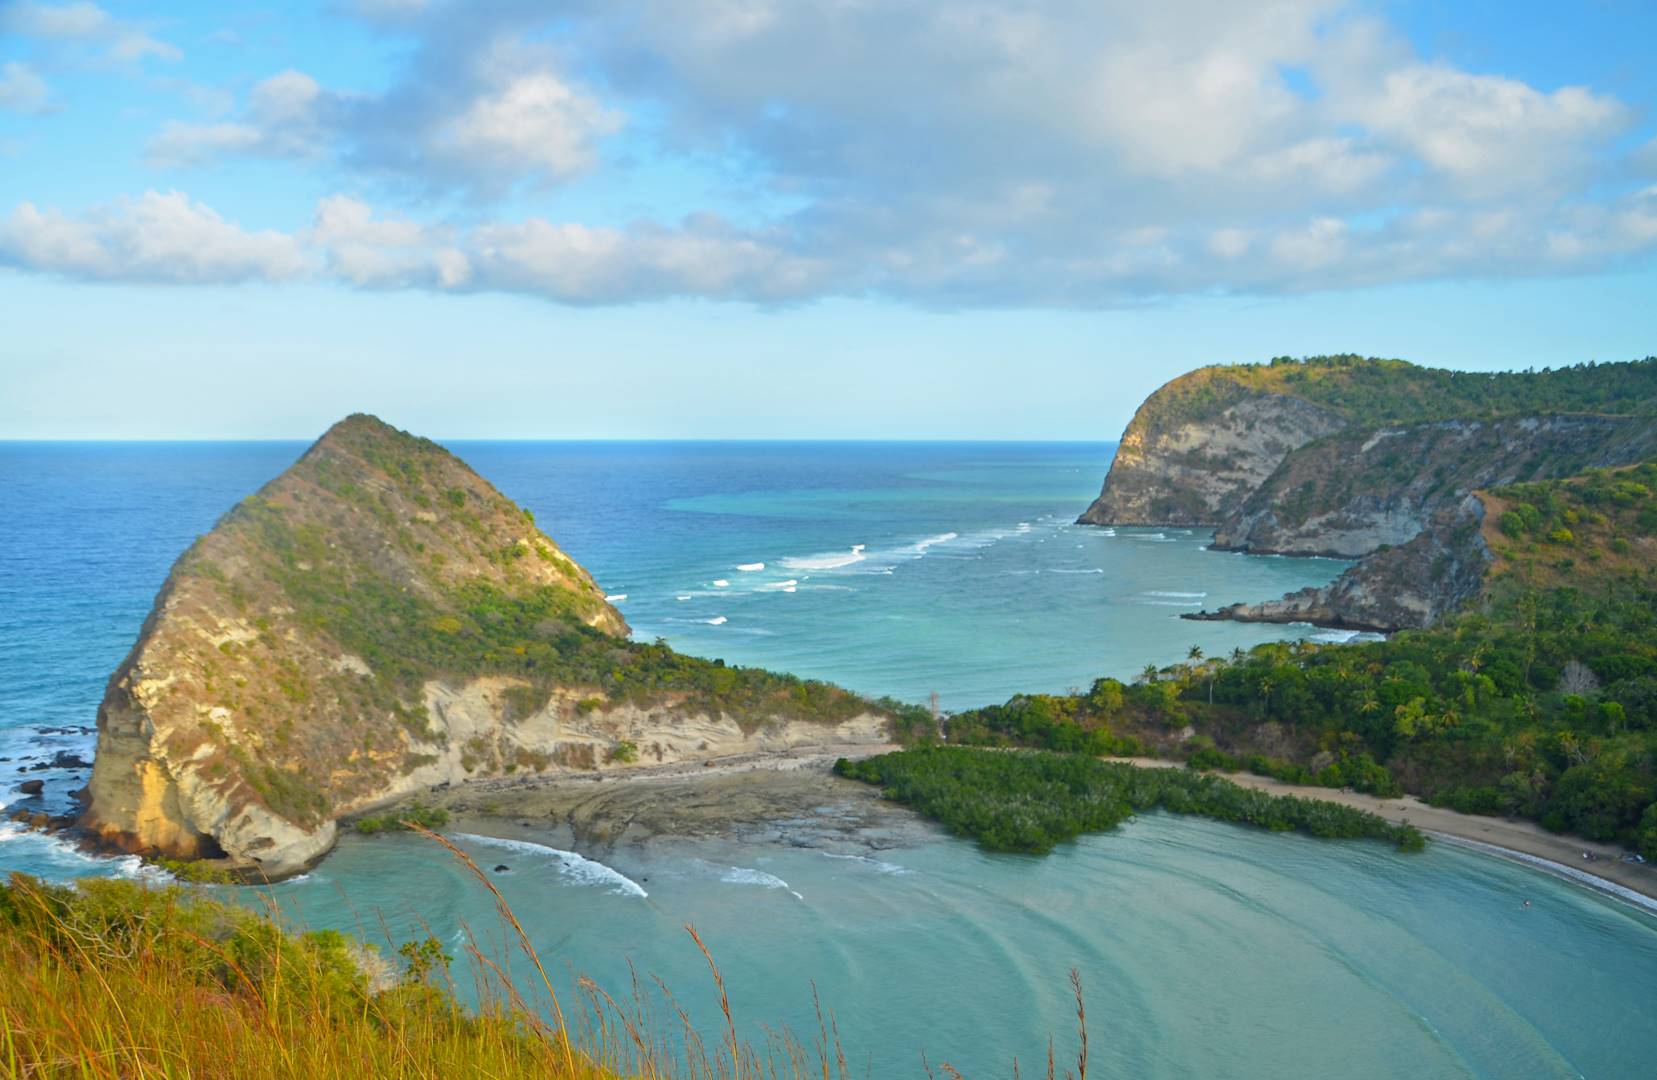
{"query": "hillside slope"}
pixel 378 620
pixel 1202 443
pixel 1370 459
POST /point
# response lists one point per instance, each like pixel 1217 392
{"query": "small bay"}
pixel 902 569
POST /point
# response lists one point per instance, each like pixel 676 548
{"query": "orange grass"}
pixel 116 979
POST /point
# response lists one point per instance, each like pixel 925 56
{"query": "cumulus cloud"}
pixel 512 117
pixel 535 123
pixel 87 24
pixel 1491 133
pixel 286 116
pixel 163 238
pixel 21 89
pixel 1066 152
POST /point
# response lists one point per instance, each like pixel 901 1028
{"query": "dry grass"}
pixel 114 979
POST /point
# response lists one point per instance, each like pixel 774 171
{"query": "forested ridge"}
pixel 1373 392
pixel 1538 701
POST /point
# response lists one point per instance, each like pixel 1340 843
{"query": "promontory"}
pixel 379 620
pixel 1376 460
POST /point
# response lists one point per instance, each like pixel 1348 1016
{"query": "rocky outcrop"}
pixel 1410 586
pixel 1353 493
pixel 380 619
pixel 1198 447
pixel 1359 458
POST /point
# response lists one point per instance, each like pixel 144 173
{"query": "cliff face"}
pixel 1371 459
pixel 1407 587
pixel 376 620
pixel 1353 493
pixel 1198 447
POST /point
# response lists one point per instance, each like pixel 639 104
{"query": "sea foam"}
pixel 750 567
pixel 577 868
pixel 743 875
pixel 830 561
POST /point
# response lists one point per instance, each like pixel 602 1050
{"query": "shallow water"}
pixel 1206 949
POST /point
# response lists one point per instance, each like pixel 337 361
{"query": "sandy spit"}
pixel 1527 842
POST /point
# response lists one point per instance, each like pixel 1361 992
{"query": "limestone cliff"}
pixel 1362 458
pixel 1199 446
pixel 1353 493
pixel 1406 587
pixel 379 619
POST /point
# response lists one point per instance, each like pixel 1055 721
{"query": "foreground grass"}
pixel 1028 801
pixel 115 979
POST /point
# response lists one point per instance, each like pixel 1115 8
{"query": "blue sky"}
pixel 779 218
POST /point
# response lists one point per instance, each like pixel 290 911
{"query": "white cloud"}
pixel 385 252
pixel 1488 132
pixel 21 89
pixel 170 239
pixel 284 118
pixel 536 123
pixel 86 23
pixel 1066 152
pixel 154 238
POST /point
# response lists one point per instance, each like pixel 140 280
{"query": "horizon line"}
pixel 56 439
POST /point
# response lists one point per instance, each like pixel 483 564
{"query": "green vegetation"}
pixel 337 582
pixel 426 817
pixel 1028 801
pixel 1539 702
pixel 1374 393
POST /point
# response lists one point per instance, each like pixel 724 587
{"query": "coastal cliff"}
pixel 1199 447
pixel 1354 493
pixel 379 620
pixel 1377 460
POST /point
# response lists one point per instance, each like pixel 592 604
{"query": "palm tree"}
pixel 1194 654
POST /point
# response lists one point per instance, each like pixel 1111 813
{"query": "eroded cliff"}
pixel 379 619
pixel 1371 459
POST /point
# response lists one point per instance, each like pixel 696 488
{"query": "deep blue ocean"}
pixel 901 569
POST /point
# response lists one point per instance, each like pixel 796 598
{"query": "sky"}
pixel 796 218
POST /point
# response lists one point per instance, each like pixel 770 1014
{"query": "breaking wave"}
pixel 577 868
pixel 742 875
pixel 832 561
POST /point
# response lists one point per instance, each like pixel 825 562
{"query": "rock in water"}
pixel 376 621
pixel 31 787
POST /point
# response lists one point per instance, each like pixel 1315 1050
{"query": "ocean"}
pixel 905 569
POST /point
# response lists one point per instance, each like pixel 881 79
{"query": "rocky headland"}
pixel 379 621
pixel 1375 460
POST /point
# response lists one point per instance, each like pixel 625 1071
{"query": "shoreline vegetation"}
pixel 1029 801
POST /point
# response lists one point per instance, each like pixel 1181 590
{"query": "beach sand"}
pixel 1510 837
pixel 793 797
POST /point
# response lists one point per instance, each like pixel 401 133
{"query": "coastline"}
pixel 1519 841
pixel 744 790
pixel 785 796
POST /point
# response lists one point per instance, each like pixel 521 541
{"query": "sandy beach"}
pixel 1524 840
pixel 792 797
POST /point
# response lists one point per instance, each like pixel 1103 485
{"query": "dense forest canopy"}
pixel 1375 392
pixel 1538 701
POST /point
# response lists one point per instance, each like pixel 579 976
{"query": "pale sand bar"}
pixel 1510 836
